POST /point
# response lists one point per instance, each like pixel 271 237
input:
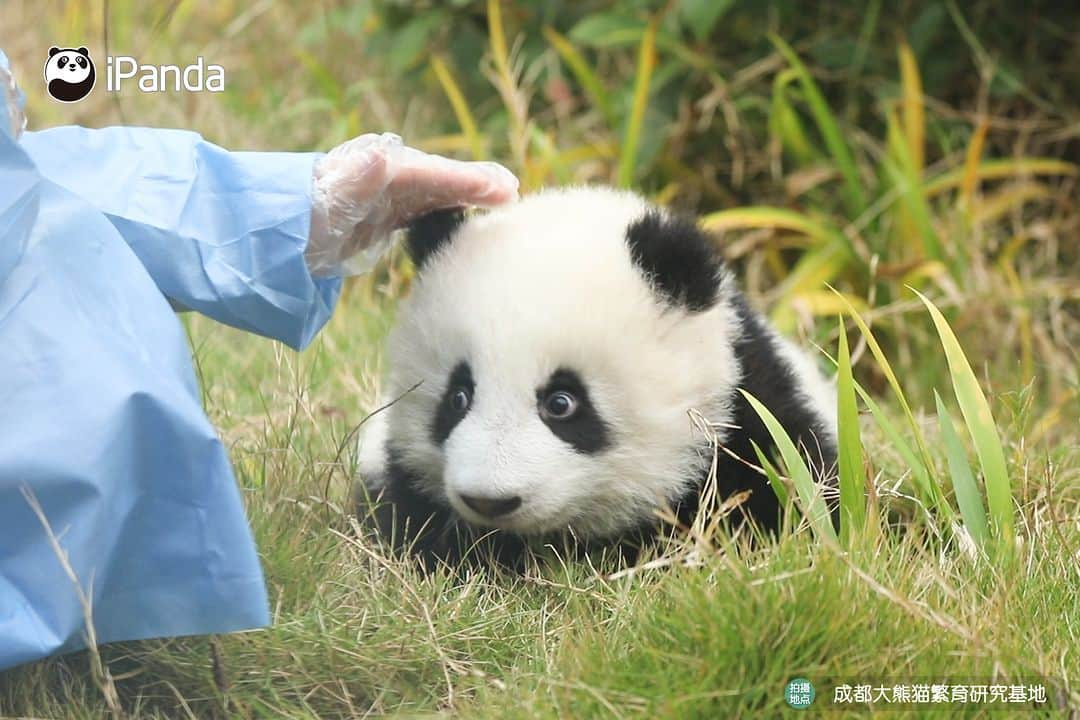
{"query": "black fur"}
pixel 769 378
pixel 586 431
pixel 677 258
pixel 428 233
pixel 447 417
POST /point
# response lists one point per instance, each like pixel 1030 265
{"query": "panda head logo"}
pixel 69 74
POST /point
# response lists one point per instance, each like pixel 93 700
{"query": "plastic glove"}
pixel 11 100
pixel 374 184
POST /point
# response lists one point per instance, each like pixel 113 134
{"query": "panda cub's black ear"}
pixel 428 233
pixel 53 50
pixel 83 51
pixel 677 258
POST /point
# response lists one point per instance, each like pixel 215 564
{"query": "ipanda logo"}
pixel 158 78
pixel 70 75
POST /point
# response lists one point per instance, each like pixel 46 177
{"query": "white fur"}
pixel 372 458
pixel 520 292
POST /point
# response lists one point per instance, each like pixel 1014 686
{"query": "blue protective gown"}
pixel 100 414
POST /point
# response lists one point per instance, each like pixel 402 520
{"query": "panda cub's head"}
pixel 546 363
pixel 69 73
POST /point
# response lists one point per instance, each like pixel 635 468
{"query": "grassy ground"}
pixel 358 632
pixel 710 630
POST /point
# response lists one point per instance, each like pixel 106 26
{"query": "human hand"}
pixel 369 186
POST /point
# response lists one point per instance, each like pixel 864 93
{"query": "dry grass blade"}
pixel 997 169
pixel 460 106
pixel 102 677
pixel 913 110
pixel 972 158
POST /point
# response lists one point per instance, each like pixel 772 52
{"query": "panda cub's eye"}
pixel 62 61
pixel 460 399
pixel 81 61
pixel 559 405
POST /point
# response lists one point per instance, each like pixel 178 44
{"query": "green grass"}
pixel 960 457
pixel 715 633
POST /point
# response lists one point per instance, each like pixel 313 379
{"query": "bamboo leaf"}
pixel 992 207
pixel 849 449
pixel 785 124
pixel 821 302
pixel 817 267
pixel 933 491
pixel 412 41
pixel 924 484
pixel 607 30
pixel 810 495
pixel 997 170
pixel 771 475
pixel 830 131
pixel 905 179
pixel 700 16
pixel 814 268
pixel 632 136
pixel 963 481
pixel 762 216
pixel 980 425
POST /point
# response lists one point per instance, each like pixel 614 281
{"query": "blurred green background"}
pixel 866 145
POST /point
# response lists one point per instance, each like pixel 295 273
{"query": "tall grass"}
pixel 991 534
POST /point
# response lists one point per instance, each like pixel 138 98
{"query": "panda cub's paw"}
pixel 372 461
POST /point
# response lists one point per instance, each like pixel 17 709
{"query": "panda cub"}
pixel 543 373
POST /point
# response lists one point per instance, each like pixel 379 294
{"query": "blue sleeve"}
pixel 102 426
pixel 219 232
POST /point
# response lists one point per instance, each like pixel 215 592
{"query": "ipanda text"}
pixel 197 77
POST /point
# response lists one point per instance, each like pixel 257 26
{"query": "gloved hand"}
pixel 374 184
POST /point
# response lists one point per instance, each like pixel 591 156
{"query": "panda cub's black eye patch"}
pixel 81 61
pixel 456 401
pixel 564 406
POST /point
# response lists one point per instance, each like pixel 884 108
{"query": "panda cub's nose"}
pixel 492 507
